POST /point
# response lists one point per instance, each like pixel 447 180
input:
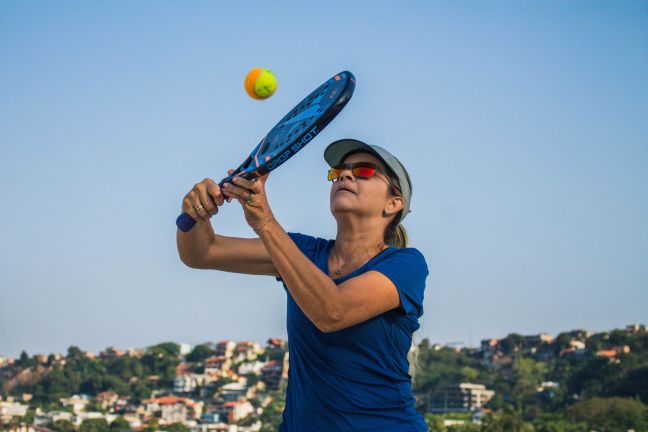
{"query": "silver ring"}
pixel 198 208
pixel 249 198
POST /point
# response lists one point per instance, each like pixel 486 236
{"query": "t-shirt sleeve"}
pixel 307 244
pixel 408 270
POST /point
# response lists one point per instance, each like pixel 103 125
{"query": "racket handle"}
pixel 185 222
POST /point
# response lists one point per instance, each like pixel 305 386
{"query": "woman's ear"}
pixel 394 205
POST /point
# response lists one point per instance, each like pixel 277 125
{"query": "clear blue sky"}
pixel 524 126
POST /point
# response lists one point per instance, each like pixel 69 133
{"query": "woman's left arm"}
pixel 329 306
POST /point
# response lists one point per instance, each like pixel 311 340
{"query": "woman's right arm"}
pixel 202 248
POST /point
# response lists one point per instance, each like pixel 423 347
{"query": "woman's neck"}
pixel 352 246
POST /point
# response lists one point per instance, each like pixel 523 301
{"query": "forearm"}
pixel 193 245
pixel 315 293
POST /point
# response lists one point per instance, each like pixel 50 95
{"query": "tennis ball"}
pixel 260 83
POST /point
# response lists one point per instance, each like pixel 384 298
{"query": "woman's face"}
pixel 366 197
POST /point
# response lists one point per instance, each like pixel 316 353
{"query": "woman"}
pixel 353 302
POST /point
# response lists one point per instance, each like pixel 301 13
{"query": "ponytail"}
pixel 395 234
pixel 413 359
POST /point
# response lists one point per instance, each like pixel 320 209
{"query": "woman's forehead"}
pixel 363 157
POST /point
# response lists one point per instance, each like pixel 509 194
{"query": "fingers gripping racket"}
pixel 292 133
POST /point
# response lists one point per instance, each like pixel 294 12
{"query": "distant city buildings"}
pixel 207 396
pixel 636 328
pixel 547 385
pixel 107 400
pixel 274 372
pixel 173 409
pixel 185 349
pixel 218 364
pixel 225 348
pixel 255 367
pixel 613 353
pixel 498 353
pixel 463 397
pixel 236 410
pixel 9 409
pixel 77 403
pixel 237 379
pixel 530 343
pixel 111 352
pixel 189 382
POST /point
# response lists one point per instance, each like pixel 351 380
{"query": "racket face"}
pixel 299 126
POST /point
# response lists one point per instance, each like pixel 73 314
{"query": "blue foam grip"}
pixel 185 222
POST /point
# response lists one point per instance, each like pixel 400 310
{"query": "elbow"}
pixel 189 260
pixel 195 264
pixel 330 322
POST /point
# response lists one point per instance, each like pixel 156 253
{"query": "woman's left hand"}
pixel 252 197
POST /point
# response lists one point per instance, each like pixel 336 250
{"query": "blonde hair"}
pixel 413 359
pixel 396 236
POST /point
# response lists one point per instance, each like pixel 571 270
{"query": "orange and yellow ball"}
pixel 260 83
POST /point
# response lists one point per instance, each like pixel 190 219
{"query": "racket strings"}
pixel 278 138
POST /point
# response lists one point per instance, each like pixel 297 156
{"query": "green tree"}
pixel 94 425
pixel 119 425
pixel 74 353
pixel 632 382
pixel 24 361
pixel 29 417
pixel 94 406
pixel 271 416
pixel 54 386
pixel 557 423
pixel 200 353
pixel 597 342
pixel 62 426
pixel 505 422
pixel 252 379
pixel 468 374
pixel 527 374
pixel 561 342
pixel 124 367
pixel 152 426
pixel 512 343
pixel 176 427
pixel 609 414
pixel 639 343
pixel 619 337
pixel 51 359
pixel 168 348
pixel 434 422
pixel 142 390
pixel 159 361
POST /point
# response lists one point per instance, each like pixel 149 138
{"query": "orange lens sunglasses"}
pixel 360 170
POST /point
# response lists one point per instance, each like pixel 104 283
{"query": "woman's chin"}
pixel 342 196
pixel 342 209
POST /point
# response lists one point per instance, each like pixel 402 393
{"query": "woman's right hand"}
pixel 202 202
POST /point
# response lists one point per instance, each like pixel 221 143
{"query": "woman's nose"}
pixel 346 174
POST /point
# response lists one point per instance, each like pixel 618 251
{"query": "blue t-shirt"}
pixel 355 379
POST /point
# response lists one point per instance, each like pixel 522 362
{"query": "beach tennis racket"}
pixel 303 123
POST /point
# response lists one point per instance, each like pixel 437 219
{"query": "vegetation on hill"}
pixel 575 383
